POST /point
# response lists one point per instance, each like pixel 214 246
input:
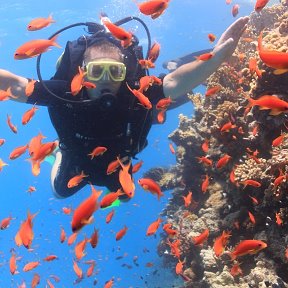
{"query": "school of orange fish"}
pixel 83 214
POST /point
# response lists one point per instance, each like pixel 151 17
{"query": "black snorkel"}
pixel 93 29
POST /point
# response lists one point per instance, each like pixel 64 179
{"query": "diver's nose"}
pixel 106 77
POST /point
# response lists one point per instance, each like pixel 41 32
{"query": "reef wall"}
pixel 256 209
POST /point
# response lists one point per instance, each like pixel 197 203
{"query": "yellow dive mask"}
pixel 95 70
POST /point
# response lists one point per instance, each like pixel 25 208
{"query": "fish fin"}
pixel 275 112
pixel 280 71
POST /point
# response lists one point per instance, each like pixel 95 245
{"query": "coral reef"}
pixel 245 170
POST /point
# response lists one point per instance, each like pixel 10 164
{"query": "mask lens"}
pixel 116 72
pixel 96 71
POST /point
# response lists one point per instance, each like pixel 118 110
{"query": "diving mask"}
pixel 95 70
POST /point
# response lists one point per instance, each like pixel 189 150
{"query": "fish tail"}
pixel 53 41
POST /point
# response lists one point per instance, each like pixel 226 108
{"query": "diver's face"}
pixel 105 83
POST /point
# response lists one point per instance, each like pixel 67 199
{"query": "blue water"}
pixel 183 28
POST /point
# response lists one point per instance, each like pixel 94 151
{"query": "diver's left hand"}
pixel 230 38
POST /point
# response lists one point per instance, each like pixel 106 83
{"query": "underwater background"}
pixel 137 260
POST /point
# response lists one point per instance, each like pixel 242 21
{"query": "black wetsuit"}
pixel 82 126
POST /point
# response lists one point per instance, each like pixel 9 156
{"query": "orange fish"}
pixel 30 265
pixel 161 116
pixel 187 199
pixel 94 239
pixel 272 102
pixel 205 184
pixel 235 10
pixel 78 82
pixel 77 270
pixel 109 284
pixel 5 222
pixel 144 101
pixel 211 37
pixel 251 182
pixel 150 185
pixel 278 140
pixel 31 189
pixel 247 247
pixel 97 151
pixel 179 267
pixel 153 227
pixel 18 151
pixel 146 64
pixel 34 48
pixel 227 127
pixel 2 141
pixel 11 125
pixel 205 56
pixel 29 89
pixel 72 238
pixel 109 216
pixel 223 161
pixel 279 221
pixel 39 23
pixel 154 52
pixel 12 264
pixel 174 246
pixel 200 239
pixel 254 200
pixel 137 166
pixel 83 213
pixel 260 4
pixel 90 270
pixel 153 8
pixel 163 103
pixel 126 180
pixel 171 148
pixel 80 248
pixel 121 233
pixel 50 258
pixel 27 116
pixel 62 235
pixel 67 210
pixel 109 198
pixel 205 160
pixel 112 167
pixel 272 58
pixel 236 270
pixel 251 217
pixel 6 94
pixel 74 181
pixel 25 233
pixel 212 90
pixel 119 33
pixel 220 243
pixel 167 228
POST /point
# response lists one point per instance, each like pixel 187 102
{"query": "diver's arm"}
pixel 17 84
pixel 190 75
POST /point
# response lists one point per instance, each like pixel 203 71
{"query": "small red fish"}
pixel 247 247
pixel 27 116
pixel 235 10
pixel 119 33
pixel 154 8
pixel 200 239
pixel 74 181
pixel 205 56
pixel 34 48
pixel 39 23
pixel 120 234
pixel 211 37
pixel 151 185
pixel 260 4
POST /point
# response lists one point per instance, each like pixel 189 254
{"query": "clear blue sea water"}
pixel 183 28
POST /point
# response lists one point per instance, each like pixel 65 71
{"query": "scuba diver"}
pixel 109 115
